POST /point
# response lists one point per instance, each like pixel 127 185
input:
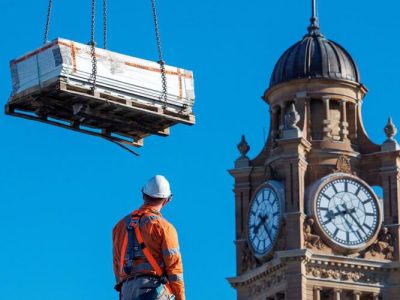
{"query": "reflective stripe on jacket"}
pixel 162 240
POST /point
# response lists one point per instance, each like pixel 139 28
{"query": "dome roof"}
pixel 315 57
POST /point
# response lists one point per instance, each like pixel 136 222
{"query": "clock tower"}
pixel 308 222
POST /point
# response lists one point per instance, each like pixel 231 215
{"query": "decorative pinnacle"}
pixel 243 147
pixel 390 130
pixel 313 29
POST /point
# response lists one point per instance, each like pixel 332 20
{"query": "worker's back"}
pixel 160 237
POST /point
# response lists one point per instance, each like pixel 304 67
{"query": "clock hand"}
pixel 342 214
pixel 331 214
pixel 257 227
pixel 266 229
pixel 355 219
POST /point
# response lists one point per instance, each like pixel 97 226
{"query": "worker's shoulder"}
pixel 161 221
pixel 122 222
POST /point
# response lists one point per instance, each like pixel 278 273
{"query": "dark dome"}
pixel 315 57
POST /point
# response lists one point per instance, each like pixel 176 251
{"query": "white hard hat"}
pixel 157 187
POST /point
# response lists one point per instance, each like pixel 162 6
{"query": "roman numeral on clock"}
pixel 336 232
pixel 324 195
pixel 358 190
pixel 367 226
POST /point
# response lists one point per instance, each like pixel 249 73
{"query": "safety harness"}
pixel 134 247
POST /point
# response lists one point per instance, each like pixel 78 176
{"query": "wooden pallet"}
pixel 113 117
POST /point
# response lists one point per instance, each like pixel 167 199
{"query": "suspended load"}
pixel 124 102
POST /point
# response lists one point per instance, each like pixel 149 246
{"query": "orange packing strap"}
pixel 147 252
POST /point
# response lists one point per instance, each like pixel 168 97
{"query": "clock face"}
pixel 264 221
pixel 348 212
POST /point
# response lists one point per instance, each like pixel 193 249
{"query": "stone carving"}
pixel 243 146
pixel 311 240
pixel 290 128
pixel 390 130
pixel 343 165
pixel 383 247
pixel 292 117
pixel 264 285
pixel 342 275
pixel 248 260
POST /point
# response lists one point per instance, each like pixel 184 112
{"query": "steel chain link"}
pixel 105 23
pixel 47 26
pixel 161 61
pixel 93 47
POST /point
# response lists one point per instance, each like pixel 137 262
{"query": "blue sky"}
pixel 61 192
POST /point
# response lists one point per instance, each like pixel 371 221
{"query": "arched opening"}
pixel 334 119
pixel 317 119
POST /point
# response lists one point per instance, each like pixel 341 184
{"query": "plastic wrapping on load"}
pixel 125 101
pixel 134 78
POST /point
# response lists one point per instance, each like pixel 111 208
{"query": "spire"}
pixel 313 29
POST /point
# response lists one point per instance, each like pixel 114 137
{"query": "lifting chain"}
pixel 105 23
pixel 161 61
pixel 47 26
pixel 93 47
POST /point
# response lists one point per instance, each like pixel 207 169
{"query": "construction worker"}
pixel 147 261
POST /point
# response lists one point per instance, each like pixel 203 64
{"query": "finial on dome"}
pixel 313 29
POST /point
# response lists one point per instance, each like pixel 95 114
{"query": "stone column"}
pixel 274 123
pixel 242 190
pixel 296 283
pixel 327 129
pixel 293 165
pixel 356 295
pixel 337 294
pixel 317 293
pixel 353 110
pixel 301 107
pixel 390 175
pixel 344 124
pixel 308 119
pixel 282 118
pixel 375 296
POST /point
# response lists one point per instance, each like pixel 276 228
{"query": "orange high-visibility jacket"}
pixel 161 239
